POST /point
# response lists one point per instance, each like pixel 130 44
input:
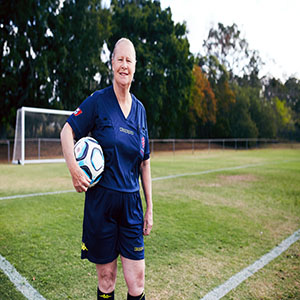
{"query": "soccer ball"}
pixel 90 158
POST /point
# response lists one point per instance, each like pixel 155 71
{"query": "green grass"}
pixel 206 227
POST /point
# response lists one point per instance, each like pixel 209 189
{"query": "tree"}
pixel 292 87
pixel 273 88
pixel 285 100
pixel 49 54
pixel 203 106
pixel 293 101
pixel 79 33
pixel 266 121
pixel 283 117
pixel 24 70
pixel 241 123
pixel 262 114
pixel 218 78
pixel 164 66
pixel 232 51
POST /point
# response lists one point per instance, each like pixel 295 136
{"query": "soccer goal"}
pixel 37 135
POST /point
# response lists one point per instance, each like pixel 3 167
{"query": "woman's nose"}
pixel 124 64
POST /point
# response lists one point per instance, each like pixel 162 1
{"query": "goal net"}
pixel 37 135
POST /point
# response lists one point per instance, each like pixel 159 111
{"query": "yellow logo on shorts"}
pixel 138 249
pixel 83 247
pixel 105 296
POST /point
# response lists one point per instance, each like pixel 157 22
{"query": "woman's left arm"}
pixel 147 188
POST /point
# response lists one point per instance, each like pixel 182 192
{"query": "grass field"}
pixel 207 227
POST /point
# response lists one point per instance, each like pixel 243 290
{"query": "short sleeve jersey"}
pixel 124 141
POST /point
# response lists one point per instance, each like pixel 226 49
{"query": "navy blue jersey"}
pixel 124 141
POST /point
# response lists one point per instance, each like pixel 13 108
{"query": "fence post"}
pixel 152 147
pixel 8 150
pixel 193 146
pixel 39 148
pixel 174 147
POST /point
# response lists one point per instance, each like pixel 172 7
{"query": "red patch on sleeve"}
pixel 77 112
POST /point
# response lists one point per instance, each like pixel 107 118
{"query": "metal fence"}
pixel 193 145
pixel 50 148
pixel 39 148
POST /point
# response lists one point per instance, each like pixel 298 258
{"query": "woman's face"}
pixel 123 64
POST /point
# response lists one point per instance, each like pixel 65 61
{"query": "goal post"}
pixel 37 135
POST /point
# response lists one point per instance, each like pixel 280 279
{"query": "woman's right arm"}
pixel 80 180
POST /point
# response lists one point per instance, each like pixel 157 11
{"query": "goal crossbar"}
pixel 45 110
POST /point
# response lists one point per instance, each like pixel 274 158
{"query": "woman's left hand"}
pixel 148 222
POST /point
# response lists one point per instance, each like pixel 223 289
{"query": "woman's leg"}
pixel 134 274
pixel 107 276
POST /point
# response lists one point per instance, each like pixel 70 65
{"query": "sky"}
pixel 270 27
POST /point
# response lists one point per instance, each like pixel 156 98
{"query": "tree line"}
pixel 54 54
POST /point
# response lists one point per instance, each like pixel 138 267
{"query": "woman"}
pixel 113 222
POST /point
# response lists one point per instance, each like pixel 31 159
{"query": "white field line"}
pixel 238 278
pixel 30 293
pixel 19 281
pixel 205 172
pixel 221 170
pixel 36 194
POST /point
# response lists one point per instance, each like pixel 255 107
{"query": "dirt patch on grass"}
pixel 231 179
pixel 210 184
pixel 223 180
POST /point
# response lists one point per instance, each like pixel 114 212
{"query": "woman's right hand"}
pixel 80 180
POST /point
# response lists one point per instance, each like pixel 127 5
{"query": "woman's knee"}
pixel 107 275
pixel 137 287
pixel 134 273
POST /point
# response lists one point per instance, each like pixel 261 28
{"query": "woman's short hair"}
pixel 121 40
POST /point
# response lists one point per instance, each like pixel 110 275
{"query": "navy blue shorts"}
pixel 112 225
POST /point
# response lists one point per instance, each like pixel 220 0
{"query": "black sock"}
pixel 101 296
pixel 140 297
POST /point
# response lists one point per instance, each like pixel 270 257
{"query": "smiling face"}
pixel 123 63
